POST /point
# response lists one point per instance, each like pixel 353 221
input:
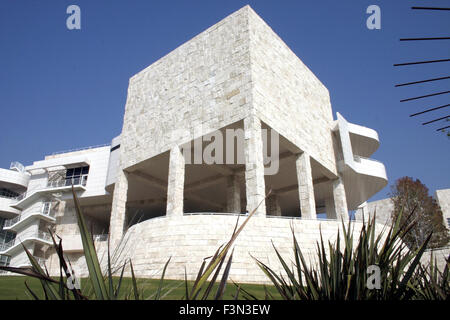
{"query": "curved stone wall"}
pixel 191 238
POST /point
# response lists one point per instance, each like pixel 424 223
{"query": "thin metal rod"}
pixel 446 117
pixel 420 62
pixel 442 128
pixel 432 109
pixel 426 96
pixel 422 81
pixel 429 8
pixel 420 39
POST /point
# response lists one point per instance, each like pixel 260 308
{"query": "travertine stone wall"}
pixel 200 87
pixel 288 96
pixel 439 256
pixel 443 198
pixel 21 259
pixel 236 68
pixel 78 261
pixel 383 210
pixel 189 239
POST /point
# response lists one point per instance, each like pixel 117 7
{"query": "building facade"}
pixel 171 185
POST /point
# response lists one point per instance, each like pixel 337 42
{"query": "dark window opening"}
pixel 5 193
pixel 115 148
pixel 76 176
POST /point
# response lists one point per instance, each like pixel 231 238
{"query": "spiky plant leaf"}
pixel 95 273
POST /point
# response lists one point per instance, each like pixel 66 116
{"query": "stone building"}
pixel 156 195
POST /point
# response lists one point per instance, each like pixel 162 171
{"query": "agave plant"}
pixel 430 283
pixel 343 274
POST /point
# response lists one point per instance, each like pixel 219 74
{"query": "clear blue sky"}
pixel 62 89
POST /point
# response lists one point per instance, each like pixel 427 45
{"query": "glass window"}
pixel 73 176
pixel 8 193
pixel 77 172
pixel 46 207
pixel 4 260
pixel 69 173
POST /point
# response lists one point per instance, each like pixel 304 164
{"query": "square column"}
pixel 118 209
pixel 305 186
pixel 273 206
pixel 233 194
pixel 330 209
pixel 340 200
pixel 175 187
pixel 254 166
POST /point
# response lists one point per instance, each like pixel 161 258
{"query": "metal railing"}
pixel 214 214
pixel 39 235
pixel 80 180
pixel 29 192
pixel 266 216
pixel 82 148
pixel 10 222
pixel 6 245
pixel 73 181
pixel 17 165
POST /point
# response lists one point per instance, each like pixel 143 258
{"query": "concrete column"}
pixel 233 194
pixel 175 187
pixel 305 186
pixel 330 209
pixel 118 209
pixel 254 166
pixel 340 200
pixel 273 206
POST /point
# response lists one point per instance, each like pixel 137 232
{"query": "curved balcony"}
pixel 363 180
pixel 370 167
pixel 364 140
pixel 22 219
pixel 39 237
pixel 363 177
pixel 15 178
pixel 6 211
pixel 78 183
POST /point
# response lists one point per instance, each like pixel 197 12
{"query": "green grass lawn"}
pixel 13 287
